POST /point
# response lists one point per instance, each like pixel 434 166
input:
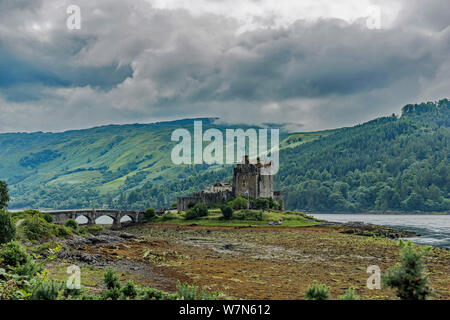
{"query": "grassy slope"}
pixel 99 159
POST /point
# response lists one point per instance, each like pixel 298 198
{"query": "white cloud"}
pixel 259 13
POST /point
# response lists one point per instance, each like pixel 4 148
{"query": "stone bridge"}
pixel 61 216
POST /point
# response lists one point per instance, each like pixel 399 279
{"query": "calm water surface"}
pixel 435 229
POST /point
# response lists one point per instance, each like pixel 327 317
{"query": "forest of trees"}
pixel 387 164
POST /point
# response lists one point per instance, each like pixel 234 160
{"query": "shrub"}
pixel 112 294
pixel 349 295
pixel 47 217
pixel 199 210
pixel 227 212
pixel 168 216
pixel 191 205
pixel 7 227
pixel 187 292
pixel 150 213
pixel 4 195
pixel 249 215
pixel 49 290
pixel 317 292
pixel 111 280
pixel 69 294
pixel 239 203
pixel 61 231
pixel 36 228
pixel 94 229
pixel 29 269
pixel 262 204
pixel 155 294
pixel 18 260
pixel 72 224
pixel 409 278
pixel 13 254
pixel 129 290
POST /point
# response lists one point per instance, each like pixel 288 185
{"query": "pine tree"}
pixel 409 278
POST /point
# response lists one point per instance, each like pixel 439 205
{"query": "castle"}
pixel 248 181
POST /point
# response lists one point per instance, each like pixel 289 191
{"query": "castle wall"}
pixel 265 186
pixel 205 198
pixel 183 202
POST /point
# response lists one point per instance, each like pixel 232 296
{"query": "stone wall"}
pixel 205 198
pixel 183 202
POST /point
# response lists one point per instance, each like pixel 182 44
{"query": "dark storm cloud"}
pixel 27 58
pixel 131 62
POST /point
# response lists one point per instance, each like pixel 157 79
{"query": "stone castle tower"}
pixel 247 177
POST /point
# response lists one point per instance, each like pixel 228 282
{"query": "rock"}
pixel 77 241
pixel 77 256
pixel 371 230
pixel 128 236
pixel 228 246
pixel 275 223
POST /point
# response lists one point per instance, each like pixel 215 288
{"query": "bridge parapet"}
pixel 61 216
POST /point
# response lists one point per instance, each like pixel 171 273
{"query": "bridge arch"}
pixel 88 219
pixel 111 219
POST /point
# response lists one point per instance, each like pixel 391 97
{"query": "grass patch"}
pixel 241 218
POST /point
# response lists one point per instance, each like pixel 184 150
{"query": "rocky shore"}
pixel 248 263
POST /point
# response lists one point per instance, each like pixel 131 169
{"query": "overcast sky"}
pixel 314 64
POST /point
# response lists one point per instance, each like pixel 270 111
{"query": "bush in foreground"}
pixel 349 295
pixel 49 290
pixel 4 195
pixel 7 227
pixel 129 290
pixel 36 228
pixel 409 278
pixel 187 292
pixel 111 279
pixel 115 291
pixel 317 292
pixel 12 254
pixel 72 224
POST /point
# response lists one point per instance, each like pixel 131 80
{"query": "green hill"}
pixel 388 163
